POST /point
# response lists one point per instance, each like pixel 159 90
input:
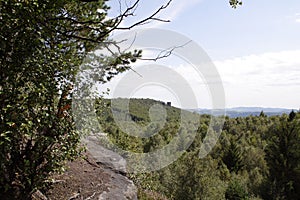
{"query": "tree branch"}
pixel 151 17
pixel 165 53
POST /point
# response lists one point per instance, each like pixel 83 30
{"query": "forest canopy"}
pixel 42 44
pixel 256 157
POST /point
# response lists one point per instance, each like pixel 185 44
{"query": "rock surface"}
pixel 99 175
pixel 119 186
pixel 104 156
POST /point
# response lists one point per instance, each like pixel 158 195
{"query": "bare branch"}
pixel 131 44
pixel 165 53
pixel 130 12
pixel 120 6
pixel 150 18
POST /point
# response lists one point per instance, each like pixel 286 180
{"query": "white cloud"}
pixel 295 17
pixel 269 79
pixel 165 89
pixel 285 64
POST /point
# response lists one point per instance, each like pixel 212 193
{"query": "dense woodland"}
pixel 256 157
pixel 42 46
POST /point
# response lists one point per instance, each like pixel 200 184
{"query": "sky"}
pixel 255 49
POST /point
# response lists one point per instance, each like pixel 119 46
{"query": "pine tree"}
pixel 283 158
pixel 292 115
pixel 232 158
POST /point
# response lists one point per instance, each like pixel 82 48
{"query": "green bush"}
pixel 235 191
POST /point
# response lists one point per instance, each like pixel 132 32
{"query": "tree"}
pixel 283 158
pixel 235 191
pixel 195 178
pixel 42 45
pixel 292 115
pixel 233 158
pixel 262 114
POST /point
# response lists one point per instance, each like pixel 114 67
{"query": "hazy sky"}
pixel 256 48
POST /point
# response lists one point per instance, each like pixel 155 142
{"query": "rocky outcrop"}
pixel 104 156
pixel 118 186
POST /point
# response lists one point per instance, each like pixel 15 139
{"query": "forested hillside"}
pixel 256 157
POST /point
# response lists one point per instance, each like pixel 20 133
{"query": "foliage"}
pixel 138 113
pixel 251 153
pixel 235 3
pixel 283 157
pixel 232 158
pixel 235 191
pixel 42 46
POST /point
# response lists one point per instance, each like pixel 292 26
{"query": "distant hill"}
pixel 139 109
pixel 245 111
pixel 143 125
